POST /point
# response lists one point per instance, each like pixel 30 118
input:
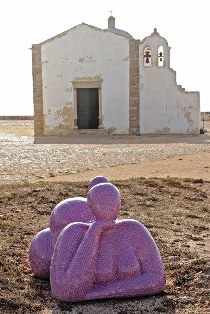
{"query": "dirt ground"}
pixel 165 184
pixel 176 212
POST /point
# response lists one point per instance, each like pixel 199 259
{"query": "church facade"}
pixel 104 81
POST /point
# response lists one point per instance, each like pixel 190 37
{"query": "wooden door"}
pixel 87 108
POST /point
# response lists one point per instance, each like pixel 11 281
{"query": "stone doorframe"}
pixel 88 83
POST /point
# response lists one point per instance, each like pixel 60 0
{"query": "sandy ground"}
pixel 175 211
pixel 194 166
pixel 22 161
pixel 34 178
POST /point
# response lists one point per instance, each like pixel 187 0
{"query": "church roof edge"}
pixel 155 33
pixel 81 24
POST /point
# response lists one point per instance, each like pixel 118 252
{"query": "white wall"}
pixel 165 108
pixel 83 52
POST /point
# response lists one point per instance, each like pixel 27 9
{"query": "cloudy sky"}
pixel 184 23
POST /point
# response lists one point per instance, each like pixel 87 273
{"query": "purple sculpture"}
pixel 40 253
pixel 70 210
pixel 97 180
pixel 105 258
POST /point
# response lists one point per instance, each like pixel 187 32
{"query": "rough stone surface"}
pixel 134 100
pixel 37 90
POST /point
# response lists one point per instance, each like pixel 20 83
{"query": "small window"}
pixel 147 57
pixel 160 56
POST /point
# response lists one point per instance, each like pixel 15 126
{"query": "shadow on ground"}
pixel 175 211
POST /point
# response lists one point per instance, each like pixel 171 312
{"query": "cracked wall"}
pixel 165 107
pixel 85 52
pixel 61 121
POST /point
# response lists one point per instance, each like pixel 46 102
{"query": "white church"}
pixel 103 81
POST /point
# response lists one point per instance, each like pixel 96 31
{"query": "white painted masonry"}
pixel 138 92
pixel 83 53
pixel 165 108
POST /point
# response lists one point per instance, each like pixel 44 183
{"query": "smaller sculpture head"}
pixel 104 201
pixel 97 180
pixel 68 211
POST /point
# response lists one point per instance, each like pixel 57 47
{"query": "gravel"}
pixel 22 160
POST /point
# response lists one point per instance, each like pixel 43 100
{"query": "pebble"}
pixel 186 300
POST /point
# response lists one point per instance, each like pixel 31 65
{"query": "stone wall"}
pixel 134 86
pixel 205 116
pixel 37 90
pixel 16 117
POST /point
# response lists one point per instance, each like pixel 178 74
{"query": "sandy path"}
pixel 186 166
pixel 82 157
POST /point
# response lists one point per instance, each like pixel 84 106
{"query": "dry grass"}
pixel 175 211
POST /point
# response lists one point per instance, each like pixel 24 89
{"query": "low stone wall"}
pixel 205 116
pixel 16 117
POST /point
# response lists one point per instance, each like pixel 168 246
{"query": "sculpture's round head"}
pixel 68 211
pixel 104 201
pixel 97 180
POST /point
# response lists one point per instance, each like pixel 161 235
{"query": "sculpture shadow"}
pixel 160 303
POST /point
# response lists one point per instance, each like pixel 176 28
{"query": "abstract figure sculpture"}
pixel 70 210
pixel 107 257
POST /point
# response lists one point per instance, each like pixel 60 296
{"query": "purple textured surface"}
pixel 97 180
pixel 107 257
pixel 40 253
pixel 70 210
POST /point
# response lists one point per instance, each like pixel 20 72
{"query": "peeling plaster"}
pixel 65 121
pixel 111 130
pixel 66 113
pixel 86 59
pixel 126 58
pixel 192 131
pixel 158 88
pixel 86 78
pixel 163 131
pixel 188 115
pixel 68 89
pixel 82 62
